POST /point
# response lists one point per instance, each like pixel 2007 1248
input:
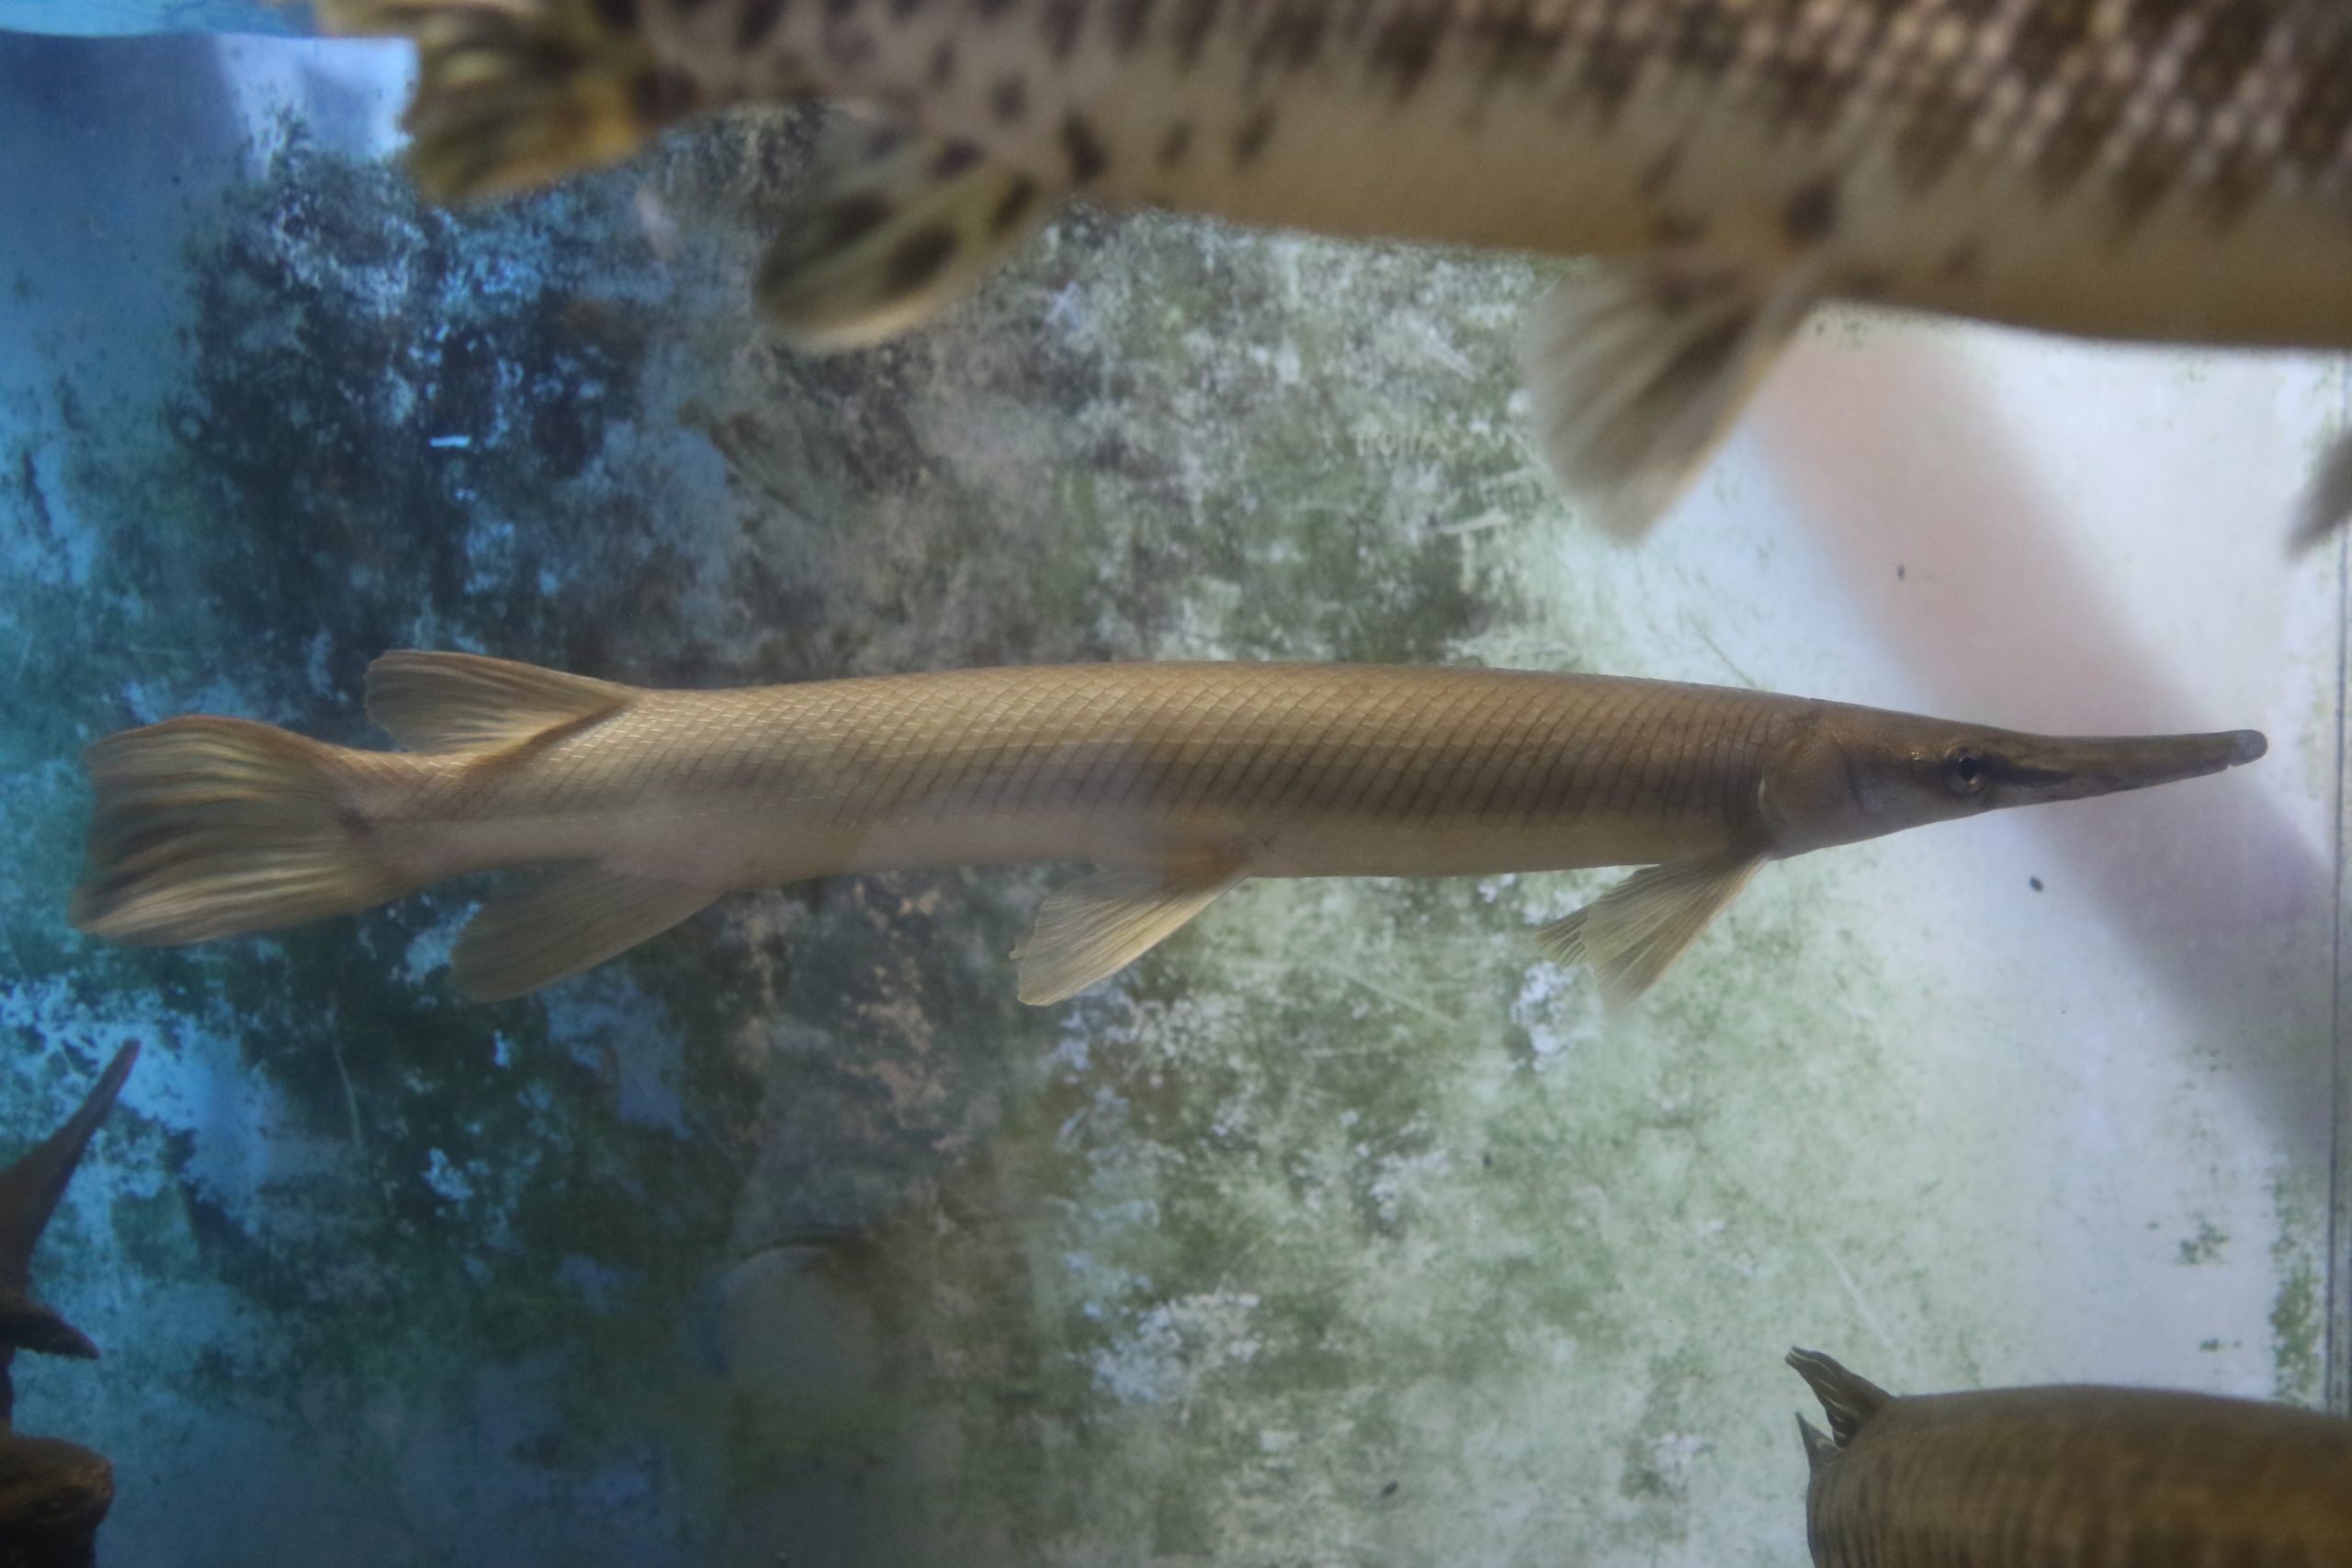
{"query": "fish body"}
pixel 1178 781
pixel 2072 1477
pixel 2164 169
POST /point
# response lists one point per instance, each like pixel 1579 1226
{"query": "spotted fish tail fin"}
pixel 904 226
pixel 513 95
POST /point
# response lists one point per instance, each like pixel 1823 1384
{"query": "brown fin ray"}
pixel 555 923
pixel 1635 931
pixel 1098 925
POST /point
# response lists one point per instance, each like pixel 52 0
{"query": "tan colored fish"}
pixel 638 808
pixel 2071 1477
pixel 2164 170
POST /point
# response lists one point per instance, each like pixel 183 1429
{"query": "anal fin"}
pixel 1632 933
pixel 559 922
pixel 1104 922
pixel 1637 370
pixel 907 227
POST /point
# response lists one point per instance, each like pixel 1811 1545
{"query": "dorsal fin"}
pixel 465 701
pixel 1847 1398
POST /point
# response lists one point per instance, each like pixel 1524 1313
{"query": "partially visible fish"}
pixel 2176 171
pixel 1180 781
pixel 53 1493
pixel 2071 1477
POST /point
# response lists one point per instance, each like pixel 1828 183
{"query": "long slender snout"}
pixel 2031 769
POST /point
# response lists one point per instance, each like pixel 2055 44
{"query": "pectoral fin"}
pixel 1637 370
pixel 2327 504
pixel 561 921
pixel 1100 923
pixel 1635 930
pixel 908 227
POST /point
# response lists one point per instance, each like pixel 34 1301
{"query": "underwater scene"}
pixel 1175 783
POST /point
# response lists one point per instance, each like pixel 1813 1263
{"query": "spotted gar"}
pixel 2070 1477
pixel 2163 170
pixel 638 808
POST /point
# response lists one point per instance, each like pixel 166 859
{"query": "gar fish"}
pixel 2172 170
pixel 2063 1476
pixel 639 808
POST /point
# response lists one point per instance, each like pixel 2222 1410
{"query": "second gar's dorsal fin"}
pixel 1847 1398
pixel 467 702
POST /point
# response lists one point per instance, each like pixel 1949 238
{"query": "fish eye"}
pixel 1965 769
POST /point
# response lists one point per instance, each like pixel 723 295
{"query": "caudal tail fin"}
pixel 206 826
pixel 516 94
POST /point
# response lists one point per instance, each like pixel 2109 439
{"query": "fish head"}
pixel 1859 773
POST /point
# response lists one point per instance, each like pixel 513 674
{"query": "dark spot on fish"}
pixel 2073 143
pixel 1013 206
pixel 953 159
pixel 1964 260
pixel 2319 120
pixel 1659 172
pixel 989 10
pixel 2034 883
pixel 1194 21
pixel 2230 45
pixel 1291 36
pixel 1010 101
pixel 853 217
pixel 1251 139
pixel 1613 63
pixel 918 259
pixel 1672 229
pixel 1405 46
pixel 661 95
pixel 1129 20
pixel 755 21
pixel 1810 215
pixel 617 16
pixel 1176 143
pixel 354 822
pixel 1708 39
pixel 2047 35
pixel 1083 149
pixel 1063 20
pixel 943 66
pixel 904 10
pixel 849 47
pixel 1934 135
pixel 1870 283
pixel 2142 183
pixel 1516 46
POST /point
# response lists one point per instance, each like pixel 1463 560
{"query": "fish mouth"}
pixel 2045 768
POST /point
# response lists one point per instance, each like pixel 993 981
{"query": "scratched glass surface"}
pixel 1339 1230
